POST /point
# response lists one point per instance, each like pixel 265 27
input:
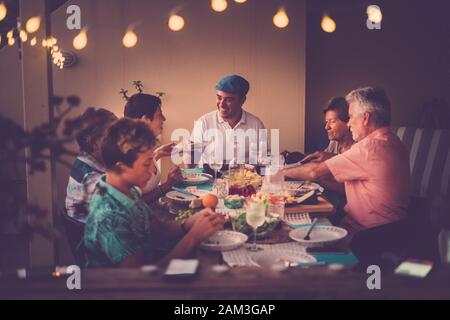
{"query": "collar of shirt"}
pixel 92 162
pixel 380 133
pixel 242 121
pixel 119 196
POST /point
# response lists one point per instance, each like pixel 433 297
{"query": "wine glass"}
pixel 221 189
pixel 255 217
pixel 216 166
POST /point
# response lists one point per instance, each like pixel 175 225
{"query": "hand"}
pixel 174 176
pixel 164 151
pixel 205 224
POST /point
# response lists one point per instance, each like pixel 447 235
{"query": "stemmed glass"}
pixel 255 217
pixel 221 189
pixel 216 166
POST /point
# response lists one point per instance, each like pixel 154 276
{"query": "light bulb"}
pixel 0 39
pixel 3 11
pixel 374 14
pixel 33 24
pixel 130 39
pixel 328 24
pixel 176 23
pixel 281 19
pixel 80 41
pixel 240 1
pixel 11 41
pixel 9 34
pixel 23 36
pixel 219 5
pixel 33 42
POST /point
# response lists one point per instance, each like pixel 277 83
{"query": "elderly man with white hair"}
pixel 375 170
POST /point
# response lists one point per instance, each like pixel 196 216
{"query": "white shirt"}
pixel 212 131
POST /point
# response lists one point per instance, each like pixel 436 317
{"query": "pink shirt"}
pixel 376 175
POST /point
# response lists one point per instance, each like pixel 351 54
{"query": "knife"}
pixel 185 192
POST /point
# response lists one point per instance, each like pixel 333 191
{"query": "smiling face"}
pixel 157 123
pixel 141 171
pixel 229 105
pixel 335 127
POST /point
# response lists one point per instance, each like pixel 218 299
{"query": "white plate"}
pixel 185 198
pixel 303 187
pixel 284 258
pixel 224 240
pixel 320 235
pixel 193 179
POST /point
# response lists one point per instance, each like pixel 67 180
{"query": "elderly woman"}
pixel 147 108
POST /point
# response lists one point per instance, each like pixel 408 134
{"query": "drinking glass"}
pixel 255 217
pixel 221 189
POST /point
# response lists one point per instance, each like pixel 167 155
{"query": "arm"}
pixel 173 177
pixel 311 171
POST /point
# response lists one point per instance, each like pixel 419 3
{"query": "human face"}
pixel 142 169
pixel 357 123
pixel 156 125
pixel 335 127
pixel 229 105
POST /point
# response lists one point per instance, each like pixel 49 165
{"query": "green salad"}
pixel 262 232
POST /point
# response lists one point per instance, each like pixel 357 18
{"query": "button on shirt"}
pixel 376 175
pixel 117 226
pixel 212 124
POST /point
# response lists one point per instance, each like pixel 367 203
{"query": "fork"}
pixel 310 229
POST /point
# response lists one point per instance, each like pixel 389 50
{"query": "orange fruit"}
pixel 210 201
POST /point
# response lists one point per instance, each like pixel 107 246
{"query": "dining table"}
pixel 335 274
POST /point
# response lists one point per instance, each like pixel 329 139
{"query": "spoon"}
pixel 310 229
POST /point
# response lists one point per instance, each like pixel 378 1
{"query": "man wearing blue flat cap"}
pixel 231 126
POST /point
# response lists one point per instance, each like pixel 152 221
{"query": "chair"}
pixel 75 232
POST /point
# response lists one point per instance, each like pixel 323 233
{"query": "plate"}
pixel 224 240
pixel 284 258
pixel 320 235
pixel 185 198
pixel 303 186
pixel 194 179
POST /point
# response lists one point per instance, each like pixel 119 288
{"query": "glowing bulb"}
pixel 281 19
pixel 23 36
pixel 176 23
pixel 9 34
pixel 33 42
pixel 52 41
pixel 374 14
pixel 130 39
pixel 328 24
pixel 80 41
pixel 219 5
pixel 0 38
pixel 240 1
pixel 33 24
pixel 3 11
pixel 11 41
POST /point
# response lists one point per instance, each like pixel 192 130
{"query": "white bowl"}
pixel 283 258
pixel 224 240
pixel 320 235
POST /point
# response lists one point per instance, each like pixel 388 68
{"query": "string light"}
pixel 11 41
pixel 33 42
pixel 176 23
pixel 130 39
pixel 23 36
pixel 219 5
pixel 328 24
pixel 10 34
pixel 240 1
pixel 374 14
pixel 81 40
pixel 33 24
pixel 281 19
pixel 3 11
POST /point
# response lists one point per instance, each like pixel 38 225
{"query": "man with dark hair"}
pixel 375 170
pixel 228 123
